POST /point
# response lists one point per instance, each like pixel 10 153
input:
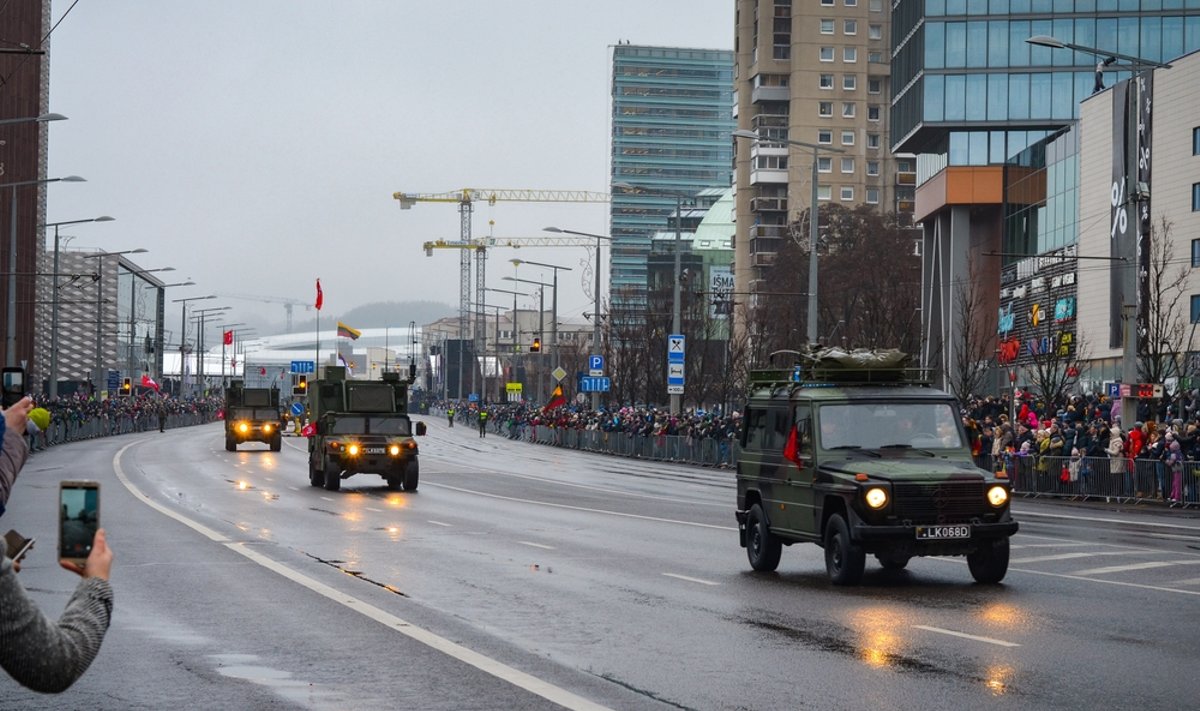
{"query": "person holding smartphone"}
pixel 43 655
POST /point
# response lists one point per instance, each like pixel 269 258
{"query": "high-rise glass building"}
pixel 672 113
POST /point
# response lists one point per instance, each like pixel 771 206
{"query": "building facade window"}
pixel 873 196
pixel 849 82
pixel 873 112
pixel 849 55
pixel 874 86
pixel 824 165
pixel 827 26
pixel 825 108
pixel 1195 253
pixel 826 81
pixel 875 31
pixel 847 165
pixel 826 54
pixel 847 138
pixel 876 5
pixel 1195 197
pixel 825 137
pixel 872 167
pixel 1196 141
pixel 827 3
pixel 875 57
pixel 851 3
pixel 1195 308
pixel 825 192
pixel 847 109
pixel 850 27
pixel 873 140
pixel 847 193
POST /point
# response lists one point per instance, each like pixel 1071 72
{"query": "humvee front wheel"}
pixel 412 476
pixel 989 562
pixel 333 475
pixel 276 443
pixel 844 560
pixel 762 548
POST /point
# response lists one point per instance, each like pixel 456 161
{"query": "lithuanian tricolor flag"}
pixel 345 331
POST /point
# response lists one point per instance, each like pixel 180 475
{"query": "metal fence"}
pixel 1110 479
pixel 702 451
pixel 73 430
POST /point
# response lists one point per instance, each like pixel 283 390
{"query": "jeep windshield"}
pixel 380 425
pixel 888 425
pixel 256 413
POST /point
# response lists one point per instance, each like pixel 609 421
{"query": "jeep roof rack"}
pixel 830 367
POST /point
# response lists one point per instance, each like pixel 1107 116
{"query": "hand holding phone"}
pixel 78 522
pixel 13 386
pixel 17 545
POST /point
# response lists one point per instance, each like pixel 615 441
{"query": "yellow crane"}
pixel 466 198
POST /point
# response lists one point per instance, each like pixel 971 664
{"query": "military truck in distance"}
pixel 857 453
pixel 252 415
pixel 362 426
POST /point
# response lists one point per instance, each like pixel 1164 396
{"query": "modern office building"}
pixel 671 120
pixel 814 71
pixel 983 109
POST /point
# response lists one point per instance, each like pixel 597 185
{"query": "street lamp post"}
pixel 133 274
pixel 812 222
pixel 99 257
pixel 11 343
pixel 201 378
pixel 537 384
pixel 183 335
pixel 553 302
pixel 515 294
pixel 54 300
pixel 596 312
pixel 1134 194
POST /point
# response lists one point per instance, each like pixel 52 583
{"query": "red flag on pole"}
pixel 229 338
pixel 148 382
pixel 320 295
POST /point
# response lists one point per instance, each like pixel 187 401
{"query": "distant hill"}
pixel 385 313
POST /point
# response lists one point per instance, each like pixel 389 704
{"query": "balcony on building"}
pixel 768 204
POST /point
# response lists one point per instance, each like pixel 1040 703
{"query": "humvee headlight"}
pixel 267 428
pixel 243 427
pixel 876 497
pixel 997 496
pixel 394 450
pixel 352 450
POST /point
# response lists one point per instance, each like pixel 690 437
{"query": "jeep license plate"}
pixel 937 533
pixel 373 450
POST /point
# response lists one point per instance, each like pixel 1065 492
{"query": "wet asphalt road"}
pixel 521 576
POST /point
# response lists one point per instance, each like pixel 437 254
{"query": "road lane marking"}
pixel 583 508
pixel 1093 519
pixel 501 671
pixel 1066 576
pixel 964 635
pixel 1015 546
pixel 1068 556
pixel 1134 566
pixel 368 508
pixel 439 523
pixel 1189 581
pixel 536 545
pixel 690 580
pixel 326 498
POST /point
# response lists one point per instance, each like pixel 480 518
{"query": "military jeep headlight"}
pixel 876 497
pixel 267 428
pixel 352 450
pixel 394 450
pixel 243 427
pixel 997 496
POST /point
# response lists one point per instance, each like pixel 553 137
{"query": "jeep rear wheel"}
pixel 333 475
pixel 762 548
pixel 844 560
pixel 989 562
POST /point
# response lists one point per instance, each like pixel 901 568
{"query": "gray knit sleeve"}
pixel 43 655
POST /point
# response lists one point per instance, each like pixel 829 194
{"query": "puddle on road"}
pixel 240 666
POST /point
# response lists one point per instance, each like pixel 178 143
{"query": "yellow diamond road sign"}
pixel 558 374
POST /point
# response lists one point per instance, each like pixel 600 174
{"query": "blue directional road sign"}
pixel 304 366
pixel 297 408
pixel 589 384
pixel 675 348
pixel 595 365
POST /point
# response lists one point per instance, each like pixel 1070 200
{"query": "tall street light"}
pixel 33 119
pixel 200 337
pixel 553 301
pixel 99 257
pixel 515 294
pixel 813 238
pixel 159 340
pixel 11 344
pixel 54 300
pixel 133 274
pixel 183 334
pixel 1134 194
pixel 596 313
pixel 537 383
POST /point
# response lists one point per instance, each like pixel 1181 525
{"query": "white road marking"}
pixel 964 635
pixel 1066 556
pixel 1134 566
pixel 1048 545
pixel 501 671
pixel 1139 524
pixel 294 488
pixel 326 498
pixel 1189 581
pixel 536 545
pixel 584 509
pixel 1065 576
pixel 690 580
pixel 439 523
pixel 374 509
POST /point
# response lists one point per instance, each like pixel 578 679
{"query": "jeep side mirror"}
pixel 420 429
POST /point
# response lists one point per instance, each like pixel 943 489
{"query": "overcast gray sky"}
pixel 254 145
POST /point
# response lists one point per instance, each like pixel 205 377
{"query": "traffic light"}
pixel 301 386
pixel 127 386
pixel 537 346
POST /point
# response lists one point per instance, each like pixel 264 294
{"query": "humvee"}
pixel 362 426
pixel 252 415
pixel 857 453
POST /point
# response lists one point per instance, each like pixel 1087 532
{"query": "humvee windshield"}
pixel 246 413
pixel 372 425
pixel 882 425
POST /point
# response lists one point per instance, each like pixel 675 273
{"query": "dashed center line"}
pixel 690 580
pixel 375 510
pixel 964 635
pixel 439 523
pixel 1134 566
pixel 536 545
pixel 1068 556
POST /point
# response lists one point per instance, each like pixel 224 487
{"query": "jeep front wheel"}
pixel 333 475
pixel 316 476
pixel 762 548
pixel 989 562
pixel 844 560
pixel 412 476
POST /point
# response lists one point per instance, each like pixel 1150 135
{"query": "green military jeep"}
pixel 855 452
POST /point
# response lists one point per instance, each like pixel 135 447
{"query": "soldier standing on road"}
pixel 483 422
pixel 162 416
pixel 450 416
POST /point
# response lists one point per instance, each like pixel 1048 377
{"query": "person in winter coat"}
pixel 1116 460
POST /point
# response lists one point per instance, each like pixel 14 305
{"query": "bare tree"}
pixel 975 330
pixel 1058 360
pixel 1167 334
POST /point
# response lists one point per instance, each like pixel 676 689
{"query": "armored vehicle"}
pixel 362 426
pixel 252 415
pixel 857 453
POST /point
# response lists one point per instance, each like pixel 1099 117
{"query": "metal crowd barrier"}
pixel 702 451
pixel 71 429
pixel 1091 478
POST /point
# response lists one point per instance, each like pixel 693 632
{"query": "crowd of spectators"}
pixel 79 416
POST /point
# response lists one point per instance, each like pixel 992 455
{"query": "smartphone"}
pixel 17 544
pixel 78 519
pixel 14 386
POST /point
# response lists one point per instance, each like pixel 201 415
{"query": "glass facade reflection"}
pixel 965 66
pixel 1041 211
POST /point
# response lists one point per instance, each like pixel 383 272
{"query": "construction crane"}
pixel 466 198
pixel 288 304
